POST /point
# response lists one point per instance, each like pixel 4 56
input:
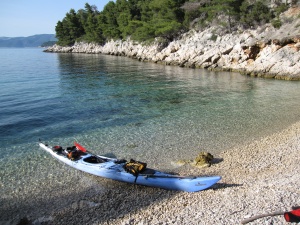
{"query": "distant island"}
pixel 39 40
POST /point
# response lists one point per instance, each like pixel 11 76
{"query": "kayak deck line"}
pixel 169 176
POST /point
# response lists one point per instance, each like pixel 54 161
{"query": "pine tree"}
pixel 70 29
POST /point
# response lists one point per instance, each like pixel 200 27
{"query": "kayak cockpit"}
pixel 94 159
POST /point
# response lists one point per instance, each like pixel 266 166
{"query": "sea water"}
pixel 129 109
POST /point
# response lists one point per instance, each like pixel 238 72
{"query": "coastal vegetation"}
pixel 48 44
pixel 145 20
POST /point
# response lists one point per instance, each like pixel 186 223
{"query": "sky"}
pixel 23 18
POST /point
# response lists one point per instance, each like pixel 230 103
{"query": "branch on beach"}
pixel 261 216
pixel 292 216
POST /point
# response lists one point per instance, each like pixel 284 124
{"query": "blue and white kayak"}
pixel 116 169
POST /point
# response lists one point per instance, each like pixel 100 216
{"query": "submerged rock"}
pixel 203 159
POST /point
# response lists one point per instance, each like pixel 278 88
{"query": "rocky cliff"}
pixel 263 52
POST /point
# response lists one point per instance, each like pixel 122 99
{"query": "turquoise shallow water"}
pixel 130 109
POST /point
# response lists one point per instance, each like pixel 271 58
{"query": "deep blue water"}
pixel 134 109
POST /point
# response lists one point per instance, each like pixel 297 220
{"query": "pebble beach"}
pixel 257 178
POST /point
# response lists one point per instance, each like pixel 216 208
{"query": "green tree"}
pixel 140 19
pixel 123 20
pixel 69 29
pixel 252 14
pixel 90 22
pixel 145 14
pixel 216 10
pixel 60 34
pixel 123 16
pixel 108 21
pixel 167 9
pixel 141 31
pixel 167 19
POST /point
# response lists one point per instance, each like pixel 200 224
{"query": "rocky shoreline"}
pixel 263 52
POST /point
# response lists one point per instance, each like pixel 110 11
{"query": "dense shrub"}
pixel 252 14
pixel 276 23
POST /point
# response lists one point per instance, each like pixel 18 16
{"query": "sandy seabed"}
pixel 258 178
